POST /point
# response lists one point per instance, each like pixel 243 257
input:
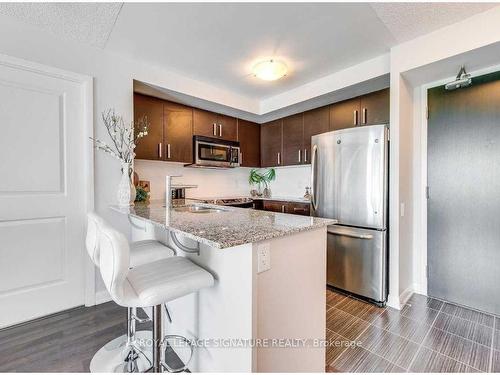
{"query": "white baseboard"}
pixel 405 296
pixel 102 297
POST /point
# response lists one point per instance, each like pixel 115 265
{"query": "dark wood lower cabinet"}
pixel 295 208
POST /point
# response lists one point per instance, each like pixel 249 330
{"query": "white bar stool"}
pixel 125 353
pixel 148 285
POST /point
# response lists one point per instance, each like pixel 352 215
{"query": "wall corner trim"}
pixel 102 296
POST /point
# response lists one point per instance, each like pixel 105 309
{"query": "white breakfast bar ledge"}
pixel 250 321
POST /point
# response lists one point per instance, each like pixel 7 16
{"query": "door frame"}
pixel 87 90
pixel 420 182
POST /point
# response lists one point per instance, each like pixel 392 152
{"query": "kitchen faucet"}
pixel 168 190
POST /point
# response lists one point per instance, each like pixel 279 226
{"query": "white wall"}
pixel 290 181
pixel 414 64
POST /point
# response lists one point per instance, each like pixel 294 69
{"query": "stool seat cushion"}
pixel 147 251
pixel 163 281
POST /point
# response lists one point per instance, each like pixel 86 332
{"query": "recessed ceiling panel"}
pixel 219 43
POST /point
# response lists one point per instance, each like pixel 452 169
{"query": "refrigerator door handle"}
pixel 347 233
pixel 313 177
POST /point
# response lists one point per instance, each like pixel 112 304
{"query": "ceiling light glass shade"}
pixel 270 70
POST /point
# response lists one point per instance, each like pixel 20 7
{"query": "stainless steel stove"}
pixel 233 202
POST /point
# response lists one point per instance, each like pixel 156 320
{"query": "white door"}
pixel 42 193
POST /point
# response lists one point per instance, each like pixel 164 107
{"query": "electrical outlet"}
pixel 263 257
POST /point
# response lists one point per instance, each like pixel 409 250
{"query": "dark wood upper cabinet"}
pixel 178 131
pixel 316 121
pixel 345 114
pixel 227 128
pixel 375 108
pixel 249 138
pixel 151 146
pixel 214 125
pixel 369 109
pixel 293 139
pixel 205 123
pixel 271 144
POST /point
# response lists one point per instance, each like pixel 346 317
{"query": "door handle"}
pixel 168 150
pixel 305 155
pixel 220 130
pixel 364 113
pixel 300 154
pixel 283 208
pixel 159 150
pixel 313 177
pixel 355 117
pixel 214 128
pixel 279 158
pixel 347 233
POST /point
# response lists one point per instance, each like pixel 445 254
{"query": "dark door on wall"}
pixel 464 197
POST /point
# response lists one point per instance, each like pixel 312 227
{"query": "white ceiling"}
pixel 88 23
pixel 218 43
pixel 407 21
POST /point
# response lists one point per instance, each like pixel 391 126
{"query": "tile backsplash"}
pixel 290 181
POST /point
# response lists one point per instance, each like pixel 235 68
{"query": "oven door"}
pixel 212 154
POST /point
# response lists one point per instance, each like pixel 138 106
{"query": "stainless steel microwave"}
pixel 215 153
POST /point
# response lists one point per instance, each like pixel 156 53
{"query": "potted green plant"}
pixel 260 178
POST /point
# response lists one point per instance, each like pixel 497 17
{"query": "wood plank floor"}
pixel 427 335
pixel 63 342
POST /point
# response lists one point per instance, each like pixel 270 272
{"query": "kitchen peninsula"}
pixel 270 271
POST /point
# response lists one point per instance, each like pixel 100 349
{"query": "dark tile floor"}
pixel 427 335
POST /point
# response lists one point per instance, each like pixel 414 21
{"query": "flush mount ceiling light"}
pixel 270 70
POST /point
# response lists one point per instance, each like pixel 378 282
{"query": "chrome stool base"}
pixel 111 357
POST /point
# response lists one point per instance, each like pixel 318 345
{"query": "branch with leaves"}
pixel 124 137
pixel 265 177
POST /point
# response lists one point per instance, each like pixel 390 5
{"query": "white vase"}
pixel 126 189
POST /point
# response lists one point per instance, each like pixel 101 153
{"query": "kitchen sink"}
pixel 195 209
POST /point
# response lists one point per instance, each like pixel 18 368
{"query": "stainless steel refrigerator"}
pixel 350 183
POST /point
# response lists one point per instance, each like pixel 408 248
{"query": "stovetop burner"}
pixel 236 202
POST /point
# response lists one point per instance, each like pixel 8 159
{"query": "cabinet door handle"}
pixel 364 115
pixel 220 130
pixel 300 155
pixel 279 158
pixel 159 150
pixel 241 158
pixel 305 155
pixel 283 208
pixel 214 128
pixel 355 117
pixel 168 150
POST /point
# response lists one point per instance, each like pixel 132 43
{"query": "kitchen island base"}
pixel 272 321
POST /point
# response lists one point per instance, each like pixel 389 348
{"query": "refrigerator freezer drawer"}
pixel 356 261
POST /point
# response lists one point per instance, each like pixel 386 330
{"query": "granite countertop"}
pixel 230 227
